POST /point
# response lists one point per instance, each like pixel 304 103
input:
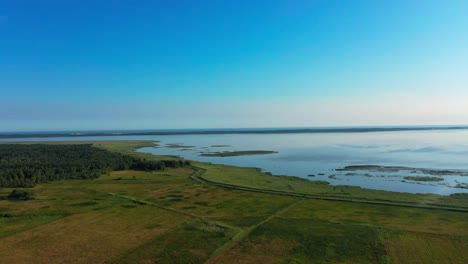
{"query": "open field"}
pixel 223 214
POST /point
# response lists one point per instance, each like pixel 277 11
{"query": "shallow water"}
pixel 320 154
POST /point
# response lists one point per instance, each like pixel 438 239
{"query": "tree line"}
pixel 24 165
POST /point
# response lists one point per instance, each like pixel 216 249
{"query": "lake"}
pixel 316 156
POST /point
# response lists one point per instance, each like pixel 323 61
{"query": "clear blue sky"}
pixel 94 64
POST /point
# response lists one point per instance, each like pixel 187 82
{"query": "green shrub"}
pixel 20 195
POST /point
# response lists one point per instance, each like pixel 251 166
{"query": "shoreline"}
pixel 137 145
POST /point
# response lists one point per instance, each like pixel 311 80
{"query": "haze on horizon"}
pixel 214 64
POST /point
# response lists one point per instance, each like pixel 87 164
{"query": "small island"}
pixel 423 178
pixel 461 185
pixel 238 153
pixel 181 146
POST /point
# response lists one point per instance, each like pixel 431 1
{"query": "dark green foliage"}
pixel 84 204
pixel 27 165
pixel 20 195
pixel 188 207
pixel 128 206
pixel 6 215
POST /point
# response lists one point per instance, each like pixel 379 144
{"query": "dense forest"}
pixel 24 165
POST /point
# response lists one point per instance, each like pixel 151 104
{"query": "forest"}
pixel 24 165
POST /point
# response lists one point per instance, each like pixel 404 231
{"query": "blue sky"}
pixel 68 65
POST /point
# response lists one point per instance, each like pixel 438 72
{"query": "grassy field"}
pixel 222 214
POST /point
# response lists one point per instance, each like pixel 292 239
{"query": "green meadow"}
pixel 209 213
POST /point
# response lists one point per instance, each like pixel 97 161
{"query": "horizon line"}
pixel 201 131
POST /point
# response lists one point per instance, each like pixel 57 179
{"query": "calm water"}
pixel 320 154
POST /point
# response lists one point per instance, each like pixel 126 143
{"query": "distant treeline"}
pixel 27 165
